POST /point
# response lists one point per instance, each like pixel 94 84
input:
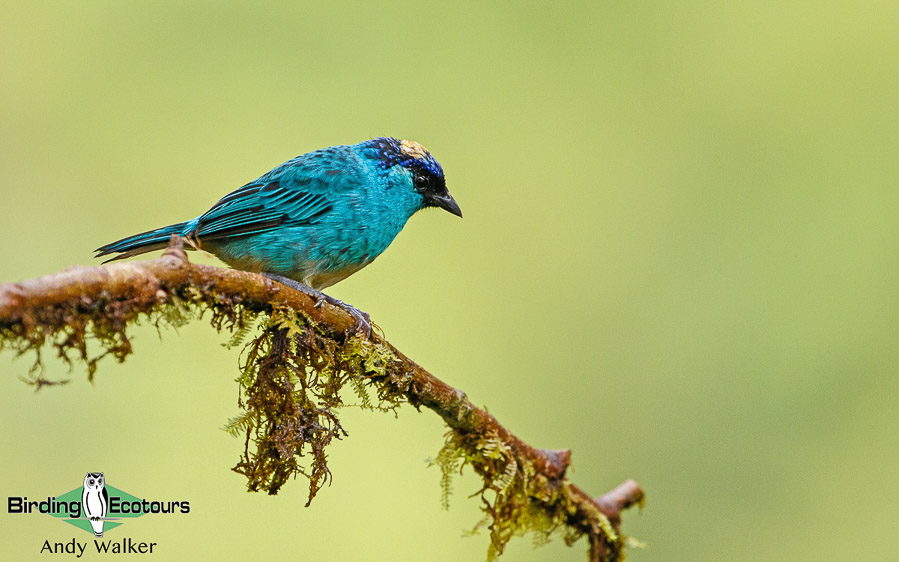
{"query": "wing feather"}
pixel 299 192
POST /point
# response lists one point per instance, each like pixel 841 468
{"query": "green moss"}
pixel 508 509
pixel 515 498
pixel 291 386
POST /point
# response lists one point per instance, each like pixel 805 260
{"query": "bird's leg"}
pixel 305 289
pixel 363 321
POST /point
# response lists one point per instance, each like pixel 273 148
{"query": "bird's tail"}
pixel 143 242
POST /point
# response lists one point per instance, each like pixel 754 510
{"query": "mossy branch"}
pixel 292 374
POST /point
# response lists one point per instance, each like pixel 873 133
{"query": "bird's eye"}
pixel 421 181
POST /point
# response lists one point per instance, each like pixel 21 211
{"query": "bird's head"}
pixel 427 175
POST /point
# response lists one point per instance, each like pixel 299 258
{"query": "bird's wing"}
pixel 297 193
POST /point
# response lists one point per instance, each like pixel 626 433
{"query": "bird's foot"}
pixel 363 321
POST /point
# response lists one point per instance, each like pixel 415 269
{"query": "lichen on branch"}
pixel 295 374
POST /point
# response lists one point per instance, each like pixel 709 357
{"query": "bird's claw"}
pixel 362 319
pixel 363 322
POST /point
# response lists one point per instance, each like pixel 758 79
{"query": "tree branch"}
pixel 32 309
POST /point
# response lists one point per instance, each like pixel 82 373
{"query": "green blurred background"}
pixel 678 259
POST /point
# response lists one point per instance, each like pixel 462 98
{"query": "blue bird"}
pixel 316 219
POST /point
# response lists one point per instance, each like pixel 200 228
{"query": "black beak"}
pixel 447 203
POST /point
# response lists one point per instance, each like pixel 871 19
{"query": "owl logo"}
pixel 95 501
